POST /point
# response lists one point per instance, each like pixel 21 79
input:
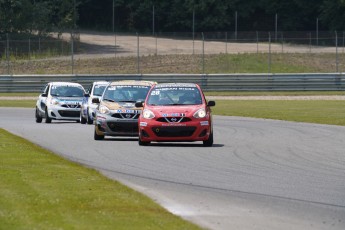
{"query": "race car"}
pixel 116 114
pixel 176 112
pixel 87 111
pixel 59 101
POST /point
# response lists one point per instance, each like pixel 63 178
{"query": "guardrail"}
pixel 209 82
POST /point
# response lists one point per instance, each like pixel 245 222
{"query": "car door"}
pixel 42 99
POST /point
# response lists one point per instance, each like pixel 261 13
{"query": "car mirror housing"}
pixel 95 100
pixel 211 103
pixel 44 95
pixel 139 104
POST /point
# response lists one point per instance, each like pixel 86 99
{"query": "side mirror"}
pixel 139 104
pixel 44 95
pixel 95 100
pixel 86 95
pixel 211 103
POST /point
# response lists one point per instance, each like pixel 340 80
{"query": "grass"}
pixel 184 63
pixel 321 112
pixel 312 111
pixel 40 190
pixel 18 103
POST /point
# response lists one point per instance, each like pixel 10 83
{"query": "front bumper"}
pixel 110 126
pixel 62 113
pixel 195 130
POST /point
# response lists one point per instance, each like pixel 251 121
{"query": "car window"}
pixel 175 96
pixel 98 90
pixel 126 93
pixel 67 91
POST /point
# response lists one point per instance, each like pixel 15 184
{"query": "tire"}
pixel 48 119
pixel 209 141
pixel 37 116
pixel 97 137
pixel 82 119
pixel 89 120
pixel 143 143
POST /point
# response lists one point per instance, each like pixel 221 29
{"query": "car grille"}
pixel 184 131
pixel 174 119
pixel 71 106
pixel 126 115
pixel 64 113
pixel 123 127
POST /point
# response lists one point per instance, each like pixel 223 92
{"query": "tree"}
pixel 333 14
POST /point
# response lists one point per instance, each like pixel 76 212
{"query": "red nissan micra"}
pixel 175 112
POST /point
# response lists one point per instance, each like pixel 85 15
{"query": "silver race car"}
pixel 87 112
pixel 59 101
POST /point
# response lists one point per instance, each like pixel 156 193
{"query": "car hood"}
pixel 119 105
pixel 175 111
pixel 70 99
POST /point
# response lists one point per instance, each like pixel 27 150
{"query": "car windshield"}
pixel 125 93
pixel 67 91
pixel 98 90
pixel 175 96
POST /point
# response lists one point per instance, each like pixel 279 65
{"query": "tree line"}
pixel 43 16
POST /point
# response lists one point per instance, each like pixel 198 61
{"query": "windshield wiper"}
pixel 106 99
pixel 127 101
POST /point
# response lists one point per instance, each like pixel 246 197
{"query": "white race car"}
pixel 59 101
pixel 87 112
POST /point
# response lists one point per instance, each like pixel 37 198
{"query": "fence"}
pixel 203 53
pixel 211 82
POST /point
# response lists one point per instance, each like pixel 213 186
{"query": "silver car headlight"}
pixel 104 110
pixel 201 113
pixel 54 101
pixel 148 114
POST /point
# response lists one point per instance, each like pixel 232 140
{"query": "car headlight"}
pixel 201 113
pixel 54 101
pixel 148 114
pixel 103 109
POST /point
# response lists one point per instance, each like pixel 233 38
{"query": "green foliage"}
pixel 170 16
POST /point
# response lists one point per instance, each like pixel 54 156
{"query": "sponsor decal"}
pixel 204 123
pixel 173 115
pixel 127 111
pixel 173 124
pixel 143 124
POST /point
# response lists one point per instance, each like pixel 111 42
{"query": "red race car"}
pixel 175 112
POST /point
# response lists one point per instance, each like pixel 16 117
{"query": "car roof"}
pixel 166 85
pixel 133 82
pixel 64 83
pixel 101 83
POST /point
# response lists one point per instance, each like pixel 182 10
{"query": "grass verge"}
pixel 40 190
pixel 312 111
pixel 18 103
pixel 321 112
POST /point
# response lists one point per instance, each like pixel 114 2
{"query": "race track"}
pixel 260 174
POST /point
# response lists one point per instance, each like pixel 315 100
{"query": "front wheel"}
pixel 143 143
pixel 48 119
pixel 37 116
pixel 209 141
pixel 97 137
pixel 82 119
pixel 89 119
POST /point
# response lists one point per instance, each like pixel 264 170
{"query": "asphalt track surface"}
pixel 260 174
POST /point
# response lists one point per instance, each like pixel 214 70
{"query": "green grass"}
pixel 18 103
pixel 40 190
pixel 322 112
pixel 19 94
pixel 312 111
